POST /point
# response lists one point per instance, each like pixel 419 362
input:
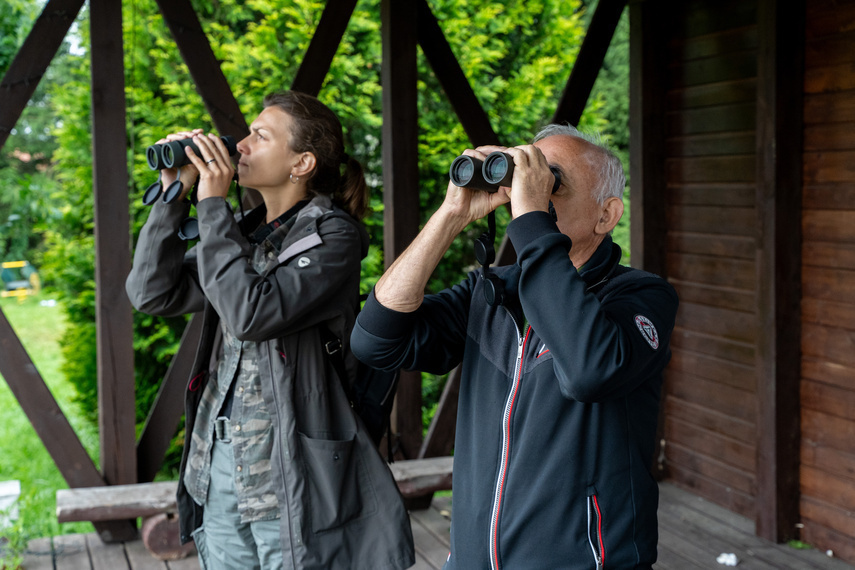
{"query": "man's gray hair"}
pixel 611 175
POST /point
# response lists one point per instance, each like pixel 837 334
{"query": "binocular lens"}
pixel 168 156
pixel 466 172
pixel 462 170
pixel 498 169
pixel 154 157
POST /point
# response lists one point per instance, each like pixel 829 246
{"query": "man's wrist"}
pixel 449 220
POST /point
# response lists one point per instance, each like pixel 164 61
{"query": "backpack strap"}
pixel 332 347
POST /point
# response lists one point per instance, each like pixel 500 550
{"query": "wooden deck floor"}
pixel 692 534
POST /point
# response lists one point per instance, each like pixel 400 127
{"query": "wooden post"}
pixel 116 402
pixel 401 178
pixel 780 71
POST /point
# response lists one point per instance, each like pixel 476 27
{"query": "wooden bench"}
pixel 155 502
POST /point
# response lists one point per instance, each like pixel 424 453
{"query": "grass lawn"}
pixel 22 454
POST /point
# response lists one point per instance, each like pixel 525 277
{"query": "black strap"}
pixel 332 347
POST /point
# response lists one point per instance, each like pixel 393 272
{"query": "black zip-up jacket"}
pixel 558 405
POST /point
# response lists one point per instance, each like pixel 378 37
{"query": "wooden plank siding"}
pixel 711 388
pixel 827 391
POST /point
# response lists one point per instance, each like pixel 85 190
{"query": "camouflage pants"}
pixel 223 541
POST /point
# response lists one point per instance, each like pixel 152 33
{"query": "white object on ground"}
pixel 9 493
pixel 727 558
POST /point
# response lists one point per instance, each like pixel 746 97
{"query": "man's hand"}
pixel 465 205
pixel 531 188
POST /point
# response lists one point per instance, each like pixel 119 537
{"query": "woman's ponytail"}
pixel 353 193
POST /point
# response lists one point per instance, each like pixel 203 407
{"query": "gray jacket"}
pixel 339 496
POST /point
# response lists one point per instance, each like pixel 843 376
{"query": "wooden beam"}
pixel 207 75
pixel 457 88
pixel 44 413
pixel 589 61
pixel 439 440
pixel 27 69
pixel 780 72
pixel 167 409
pixel 401 178
pixel 316 63
pixel 204 68
pixel 116 402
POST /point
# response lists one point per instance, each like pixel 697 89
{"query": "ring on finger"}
pixel 210 161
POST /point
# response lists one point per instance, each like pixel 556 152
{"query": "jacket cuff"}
pixel 384 322
pixel 176 210
pixel 211 205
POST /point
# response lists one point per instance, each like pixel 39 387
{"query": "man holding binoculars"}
pixel 562 374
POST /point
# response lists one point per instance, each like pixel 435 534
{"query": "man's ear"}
pixel 305 166
pixel 610 215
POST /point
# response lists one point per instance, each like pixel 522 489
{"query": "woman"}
pixel 276 472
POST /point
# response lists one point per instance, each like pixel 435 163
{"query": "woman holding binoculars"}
pixel 277 471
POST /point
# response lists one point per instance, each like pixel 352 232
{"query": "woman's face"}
pixel 267 158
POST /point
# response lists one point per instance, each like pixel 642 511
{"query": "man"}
pixel 560 388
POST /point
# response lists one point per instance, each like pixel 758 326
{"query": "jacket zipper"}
pixel 595 531
pixel 503 462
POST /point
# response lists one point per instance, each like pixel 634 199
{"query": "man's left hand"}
pixel 531 188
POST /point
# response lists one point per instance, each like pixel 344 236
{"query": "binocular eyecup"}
pixel 496 170
pixel 172 155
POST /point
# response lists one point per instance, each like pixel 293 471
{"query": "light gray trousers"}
pixel 223 541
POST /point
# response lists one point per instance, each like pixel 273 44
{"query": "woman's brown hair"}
pixel 316 129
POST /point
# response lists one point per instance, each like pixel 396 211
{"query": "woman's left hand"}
pixel 216 170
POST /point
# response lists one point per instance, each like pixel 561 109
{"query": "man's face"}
pixel 578 212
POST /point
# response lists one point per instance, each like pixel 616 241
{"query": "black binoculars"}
pixel 172 155
pixel 497 169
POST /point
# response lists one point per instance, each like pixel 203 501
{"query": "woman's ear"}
pixel 610 215
pixel 305 165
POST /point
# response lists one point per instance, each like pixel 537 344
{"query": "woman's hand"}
pixel 215 168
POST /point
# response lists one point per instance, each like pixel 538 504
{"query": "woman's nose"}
pixel 242 147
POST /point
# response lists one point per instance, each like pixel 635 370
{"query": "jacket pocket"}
pixel 334 472
pixel 595 530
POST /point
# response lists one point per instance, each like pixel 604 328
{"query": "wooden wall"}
pixel 710 399
pixel 828 280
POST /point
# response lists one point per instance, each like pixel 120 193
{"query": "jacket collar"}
pixel 602 264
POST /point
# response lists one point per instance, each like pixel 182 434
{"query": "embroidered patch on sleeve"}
pixel 648 331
